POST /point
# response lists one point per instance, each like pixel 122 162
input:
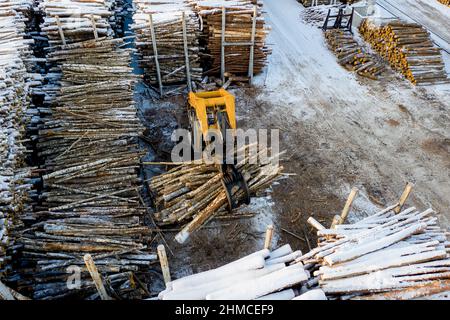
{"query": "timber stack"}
pixel 176 31
pixel 262 275
pixel 409 50
pixel 311 3
pixel 384 256
pixel 16 83
pixel 192 194
pixel 351 55
pixel 238 29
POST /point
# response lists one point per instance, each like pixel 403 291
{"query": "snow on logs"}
pixel 251 277
pixel 408 48
pixel 351 55
pixel 176 41
pixel 15 89
pixel 238 29
pixel 192 194
pixel 384 256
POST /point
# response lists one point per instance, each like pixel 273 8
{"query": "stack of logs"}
pixel 238 28
pixel 409 50
pixel 310 3
pixel 193 193
pixel 68 21
pixel 167 23
pixel 352 56
pixel 262 275
pixel 446 2
pixel 384 256
pixel 15 87
pixel 91 202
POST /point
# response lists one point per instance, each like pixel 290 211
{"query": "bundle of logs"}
pixel 446 2
pixel 68 21
pixel 238 29
pixel 351 55
pixel 167 38
pixel 315 15
pixel 193 193
pixel 310 3
pixel 409 50
pixel 15 86
pixel 262 275
pixel 91 201
pixel 384 256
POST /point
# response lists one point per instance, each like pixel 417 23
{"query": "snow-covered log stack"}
pixel 193 193
pixel 238 29
pixel 90 202
pixel 352 56
pixel 263 275
pixel 384 256
pixel 167 21
pixel 15 87
pixel 310 3
pixel 408 48
pixel 73 21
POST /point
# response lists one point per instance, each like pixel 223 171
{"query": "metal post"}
pixel 186 53
pixel 252 46
pixel 155 52
pixel 222 49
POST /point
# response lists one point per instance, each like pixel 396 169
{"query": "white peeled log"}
pixel 285 259
pixel 281 251
pixel 316 294
pixel 252 262
pixel 287 294
pixel 249 290
pixel 203 289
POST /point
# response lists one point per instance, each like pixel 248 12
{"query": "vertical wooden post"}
pixel 404 197
pixel 94 26
pixel 269 236
pixel 186 52
pixel 222 47
pixel 90 265
pixel 336 221
pixel 252 46
pixel 60 30
pixel 164 263
pixel 348 205
pixel 155 52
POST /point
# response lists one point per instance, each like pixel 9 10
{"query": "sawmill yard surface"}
pixel 339 131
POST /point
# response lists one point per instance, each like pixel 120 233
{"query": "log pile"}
pixel 68 21
pixel 262 275
pixel 193 193
pixel 90 202
pixel 15 87
pixel 310 3
pixel 352 56
pixel 238 28
pixel 409 50
pixel 314 15
pixel 167 21
pixel 446 2
pixel 384 256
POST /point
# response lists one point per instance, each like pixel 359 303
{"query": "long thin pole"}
pixel 155 52
pixel 222 49
pixel 252 46
pixel 186 53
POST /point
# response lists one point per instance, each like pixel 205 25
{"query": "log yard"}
pixel 224 150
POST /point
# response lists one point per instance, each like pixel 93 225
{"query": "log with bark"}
pixel 383 256
pixel 446 2
pixel 192 194
pixel 408 48
pixel 352 56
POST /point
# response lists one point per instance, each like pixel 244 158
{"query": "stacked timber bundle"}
pixel 193 193
pixel 15 87
pixel 90 202
pixel 409 50
pixel 262 275
pixel 351 55
pixel 315 15
pixel 68 21
pixel 384 256
pixel 238 29
pixel 446 2
pixel 175 29
pixel 310 3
